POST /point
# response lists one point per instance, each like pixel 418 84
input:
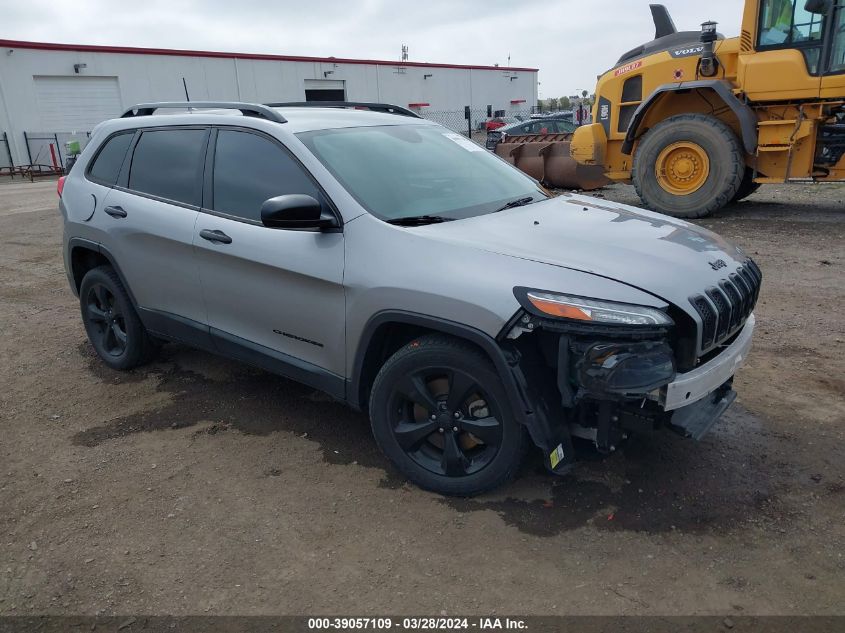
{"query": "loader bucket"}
pixel 546 158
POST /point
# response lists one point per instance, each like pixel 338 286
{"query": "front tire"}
pixel 110 320
pixel 439 412
pixel 688 166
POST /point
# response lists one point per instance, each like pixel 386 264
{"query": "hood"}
pixel 666 257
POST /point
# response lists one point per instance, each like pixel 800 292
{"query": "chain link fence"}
pixel 472 122
pixel 46 151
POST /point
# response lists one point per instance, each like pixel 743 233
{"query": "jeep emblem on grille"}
pixel 719 263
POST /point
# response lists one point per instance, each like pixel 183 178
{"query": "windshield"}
pixel 403 171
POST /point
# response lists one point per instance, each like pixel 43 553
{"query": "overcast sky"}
pixel 570 41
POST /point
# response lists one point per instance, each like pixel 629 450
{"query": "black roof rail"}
pixel 375 107
pixel 247 109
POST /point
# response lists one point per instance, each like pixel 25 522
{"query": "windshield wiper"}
pixel 520 202
pixel 419 220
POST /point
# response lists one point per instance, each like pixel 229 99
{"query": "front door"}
pixel 273 295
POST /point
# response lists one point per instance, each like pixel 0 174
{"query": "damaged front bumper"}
pixel 699 397
pixel 600 386
pixel 694 385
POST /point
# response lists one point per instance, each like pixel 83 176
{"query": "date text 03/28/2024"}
pixel 418 624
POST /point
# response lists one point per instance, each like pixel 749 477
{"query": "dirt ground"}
pixel 201 486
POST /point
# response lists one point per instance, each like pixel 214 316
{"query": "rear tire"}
pixel 110 320
pixel 688 166
pixel 440 413
pixel 748 186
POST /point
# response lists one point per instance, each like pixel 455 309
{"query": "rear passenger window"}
pixel 106 166
pixel 168 164
pixel 249 169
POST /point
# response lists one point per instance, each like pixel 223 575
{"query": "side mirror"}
pixel 295 211
pixel 821 7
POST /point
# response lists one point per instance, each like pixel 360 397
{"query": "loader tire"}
pixel 688 166
pixel 748 186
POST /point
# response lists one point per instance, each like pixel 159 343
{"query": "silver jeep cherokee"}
pixel 402 269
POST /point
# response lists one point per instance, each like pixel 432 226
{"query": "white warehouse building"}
pixel 50 93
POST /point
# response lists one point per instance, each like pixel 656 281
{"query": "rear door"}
pixel 273 295
pixel 149 218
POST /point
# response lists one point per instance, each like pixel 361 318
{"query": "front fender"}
pixel 745 115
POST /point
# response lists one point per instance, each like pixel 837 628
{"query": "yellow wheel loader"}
pixel 696 121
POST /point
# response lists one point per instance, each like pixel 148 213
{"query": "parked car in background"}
pixel 547 125
pixel 501 121
pixel 565 116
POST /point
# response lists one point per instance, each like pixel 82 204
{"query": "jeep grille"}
pixel 724 308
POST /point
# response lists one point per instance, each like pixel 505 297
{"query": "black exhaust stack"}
pixel 709 65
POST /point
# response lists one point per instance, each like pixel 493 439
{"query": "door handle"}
pixel 115 212
pixel 215 236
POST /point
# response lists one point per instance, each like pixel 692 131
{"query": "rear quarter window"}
pixel 106 165
pixel 168 164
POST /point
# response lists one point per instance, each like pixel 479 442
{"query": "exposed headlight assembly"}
pixel 582 309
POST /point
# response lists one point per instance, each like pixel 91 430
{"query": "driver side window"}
pixel 249 169
pixel 787 22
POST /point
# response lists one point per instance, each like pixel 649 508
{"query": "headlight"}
pixel 593 310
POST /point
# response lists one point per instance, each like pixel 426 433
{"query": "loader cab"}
pixel 788 47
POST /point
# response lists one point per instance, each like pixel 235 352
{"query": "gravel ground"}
pixel 200 486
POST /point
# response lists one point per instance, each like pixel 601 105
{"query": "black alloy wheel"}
pixel 443 422
pixel 111 322
pixel 106 316
pixel 441 414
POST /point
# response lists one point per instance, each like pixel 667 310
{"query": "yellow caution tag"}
pixel 557 456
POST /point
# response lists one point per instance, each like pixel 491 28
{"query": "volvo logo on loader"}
pixel 687 52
